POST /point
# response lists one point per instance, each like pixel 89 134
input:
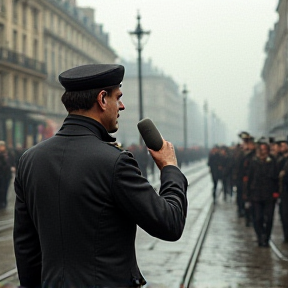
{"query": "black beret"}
pixel 92 76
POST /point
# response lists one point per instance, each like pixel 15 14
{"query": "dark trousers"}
pixel 240 202
pixel 215 179
pixel 283 210
pixel 263 212
pixel 4 186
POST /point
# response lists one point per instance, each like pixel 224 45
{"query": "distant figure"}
pixel 5 174
pixel 213 163
pixel 261 189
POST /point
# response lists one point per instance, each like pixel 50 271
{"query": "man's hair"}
pixel 76 100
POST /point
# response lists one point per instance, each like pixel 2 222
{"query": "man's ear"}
pixel 101 99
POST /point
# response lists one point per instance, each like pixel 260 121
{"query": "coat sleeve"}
pixel 162 216
pixel 26 242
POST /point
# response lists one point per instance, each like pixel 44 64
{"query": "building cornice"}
pixel 59 8
pixel 68 45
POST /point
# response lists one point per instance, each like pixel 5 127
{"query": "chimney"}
pixel 88 12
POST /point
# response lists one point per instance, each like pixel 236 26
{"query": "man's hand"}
pixel 282 174
pixel 165 156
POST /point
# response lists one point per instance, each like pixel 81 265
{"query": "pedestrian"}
pixel 213 163
pixel 261 192
pixel 283 187
pixel 80 197
pixel 249 154
pixel 244 136
pixel 5 174
pixel 224 168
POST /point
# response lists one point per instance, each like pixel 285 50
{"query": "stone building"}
pixel 162 102
pixel 257 112
pixel 275 74
pixel 38 40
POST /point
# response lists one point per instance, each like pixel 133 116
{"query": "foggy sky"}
pixel 215 47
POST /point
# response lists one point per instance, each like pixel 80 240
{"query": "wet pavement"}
pixel 7 259
pixel 230 256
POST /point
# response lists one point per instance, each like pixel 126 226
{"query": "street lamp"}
pixel 139 33
pixel 185 92
pixel 205 108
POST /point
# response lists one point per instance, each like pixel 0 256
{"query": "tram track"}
pixel 192 263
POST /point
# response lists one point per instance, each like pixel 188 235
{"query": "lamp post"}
pixel 185 91
pixel 205 108
pixel 139 33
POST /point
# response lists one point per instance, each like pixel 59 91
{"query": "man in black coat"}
pixel 80 198
pixel 262 186
pixel 213 163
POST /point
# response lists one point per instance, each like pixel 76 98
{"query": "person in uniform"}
pixel 282 168
pixel 249 154
pixel 80 197
pixel 213 163
pixel 224 168
pixel 6 164
pixel 244 136
pixel 261 192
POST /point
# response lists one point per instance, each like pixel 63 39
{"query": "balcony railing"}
pixel 22 105
pixel 22 60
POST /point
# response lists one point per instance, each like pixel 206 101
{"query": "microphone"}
pixel 150 134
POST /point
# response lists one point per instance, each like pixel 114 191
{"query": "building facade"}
pixel 275 74
pixel 162 102
pixel 38 40
pixel 258 112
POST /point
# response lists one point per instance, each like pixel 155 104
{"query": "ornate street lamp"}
pixel 139 33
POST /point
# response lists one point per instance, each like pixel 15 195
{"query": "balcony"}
pixel 19 59
pixel 21 105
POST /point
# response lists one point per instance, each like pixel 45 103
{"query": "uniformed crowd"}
pixel 8 164
pixel 184 156
pixel 257 171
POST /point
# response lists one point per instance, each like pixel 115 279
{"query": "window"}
pixel 35 18
pixel 35 49
pixel 53 63
pixel 24 44
pixel 25 91
pixel 24 15
pixel 2 8
pixel 35 92
pixel 16 88
pixel 51 21
pixel 60 60
pixel 15 11
pixel 2 34
pixel 15 42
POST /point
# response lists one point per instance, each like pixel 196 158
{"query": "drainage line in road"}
pixel 8 274
pixel 194 256
pixel 277 251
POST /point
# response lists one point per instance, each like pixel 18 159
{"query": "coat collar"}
pixel 94 126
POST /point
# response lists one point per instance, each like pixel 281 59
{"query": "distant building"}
pixel 275 74
pixel 38 40
pixel 258 111
pixel 162 102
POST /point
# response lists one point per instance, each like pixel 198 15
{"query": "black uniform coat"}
pixel 262 179
pixel 78 201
